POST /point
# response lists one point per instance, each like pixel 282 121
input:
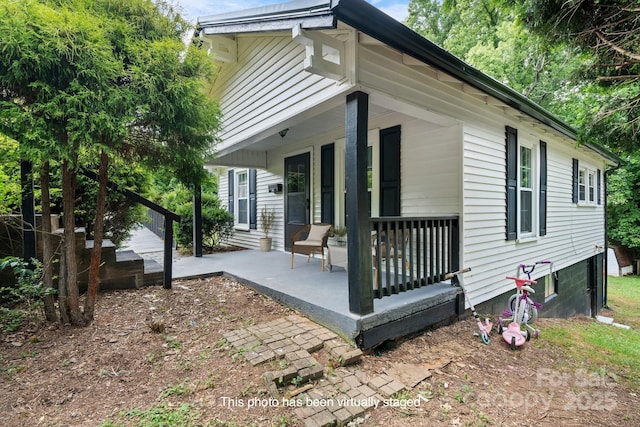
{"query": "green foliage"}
pixel 159 416
pixel 122 214
pixel 545 50
pixel 217 222
pixel 597 346
pixel 608 31
pixel 9 175
pixel 488 35
pixel 24 300
pixel 82 78
pixel 623 205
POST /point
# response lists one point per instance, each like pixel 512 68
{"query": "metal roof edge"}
pixel 273 11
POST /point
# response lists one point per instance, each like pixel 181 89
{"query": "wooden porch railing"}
pixel 409 253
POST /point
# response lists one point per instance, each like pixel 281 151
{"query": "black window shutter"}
pixel 327 178
pixel 231 188
pixel 390 171
pixel 599 184
pixel 575 181
pixel 253 207
pixel 543 189
pixel 512 183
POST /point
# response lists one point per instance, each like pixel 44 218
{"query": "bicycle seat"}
pixel 520 281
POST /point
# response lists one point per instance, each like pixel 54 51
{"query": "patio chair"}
pixel 310 239
pixel 392 247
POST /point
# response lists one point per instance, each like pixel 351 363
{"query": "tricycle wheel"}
pixel 485 338
pixel 513 343
pixel 528 337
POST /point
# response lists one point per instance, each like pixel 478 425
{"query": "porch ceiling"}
pixel 296 130
pixel 327 120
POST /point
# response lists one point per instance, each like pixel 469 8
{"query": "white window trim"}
pixel 535 192
pixel 589 172
pixel 236 182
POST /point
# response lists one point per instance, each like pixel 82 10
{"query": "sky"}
pixel 397 9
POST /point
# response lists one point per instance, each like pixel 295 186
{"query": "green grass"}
pixel 157 416
pixel 598 347
pixel 624 300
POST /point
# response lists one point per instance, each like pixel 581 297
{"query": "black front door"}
pixel 297 188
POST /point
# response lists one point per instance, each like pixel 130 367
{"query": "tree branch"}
pixel 615 47
pixel 629 77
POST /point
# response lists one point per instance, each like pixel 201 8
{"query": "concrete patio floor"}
pixel 321 296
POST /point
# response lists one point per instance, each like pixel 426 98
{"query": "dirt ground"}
pixel 157 348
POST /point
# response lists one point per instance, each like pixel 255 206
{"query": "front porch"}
pixel 324 296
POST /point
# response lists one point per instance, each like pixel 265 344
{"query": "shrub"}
pixel 25 299
pixel 217 223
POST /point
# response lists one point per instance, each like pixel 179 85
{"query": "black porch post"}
pixel 28 212
pixel 357 206
pixel 168 251
pixel 197 221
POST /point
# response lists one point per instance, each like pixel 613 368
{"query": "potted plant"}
pixel 267 218
pixel 338 236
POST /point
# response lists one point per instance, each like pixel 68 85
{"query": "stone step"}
pixel 125 268
pixel 153 273
pixel 80 236
pixel 108 250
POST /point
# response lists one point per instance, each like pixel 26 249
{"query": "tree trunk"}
pixel 98 234
pixel 47 245
pixel 63 299
pixel 71 276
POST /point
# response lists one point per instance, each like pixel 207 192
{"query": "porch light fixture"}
pixel 283 132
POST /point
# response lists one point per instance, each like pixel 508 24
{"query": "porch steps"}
pixel 120 269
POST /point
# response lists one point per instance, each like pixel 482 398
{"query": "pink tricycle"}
pixel 521 307
pixel 523 310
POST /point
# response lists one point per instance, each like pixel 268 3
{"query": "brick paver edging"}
pixel 341 392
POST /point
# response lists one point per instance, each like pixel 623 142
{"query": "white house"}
pixel 334 112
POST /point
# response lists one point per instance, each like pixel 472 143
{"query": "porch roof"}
pixel 324 14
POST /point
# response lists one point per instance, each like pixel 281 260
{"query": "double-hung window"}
pixel 526 190
pixel 586 184
pixel 242 199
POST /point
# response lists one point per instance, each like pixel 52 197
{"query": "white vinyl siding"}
pixel 250 238
pixel 572 234
pixel 452 153
pixel 266 86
